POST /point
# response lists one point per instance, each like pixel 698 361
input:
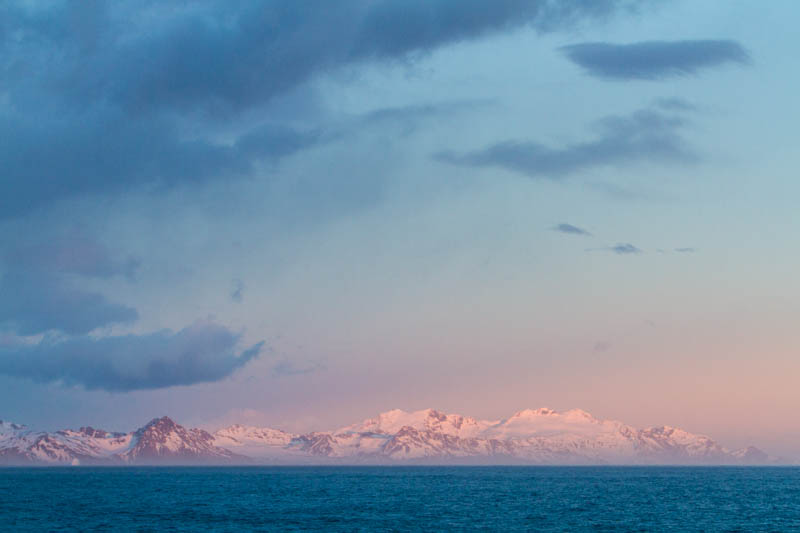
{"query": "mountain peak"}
pixel 535 436
pixel 541 411
pixel 89 431
pixel 163 440
pixel 5 425
pixel 164 422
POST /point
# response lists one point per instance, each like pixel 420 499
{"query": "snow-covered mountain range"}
pixel 540 436
pixel 161 441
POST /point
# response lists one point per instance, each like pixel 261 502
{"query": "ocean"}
pixel 400 499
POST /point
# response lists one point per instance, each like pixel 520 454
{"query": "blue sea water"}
pixel 400 499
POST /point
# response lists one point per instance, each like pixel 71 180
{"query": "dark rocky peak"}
pixel 162 425
pixel 89 431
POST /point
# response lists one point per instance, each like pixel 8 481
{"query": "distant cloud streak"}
pixel 287 368
pixel 602 346
pixel 624 249
pixel 570 229
pixel 645 135
pixel 654 60
pixel 675 104
pixel 237 290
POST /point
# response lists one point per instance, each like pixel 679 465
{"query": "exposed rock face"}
pixel 317 444
pixel 160 441
pixel 98 433
pixel 531 436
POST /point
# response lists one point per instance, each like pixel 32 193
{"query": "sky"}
pixel 300 214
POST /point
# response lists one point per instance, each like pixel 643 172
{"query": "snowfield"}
pixel 531 436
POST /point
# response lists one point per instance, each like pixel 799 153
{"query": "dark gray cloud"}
pixel 397 27
pixel 202 352
pixel 645 135
pixel 220 56
pixel 36 302
pixel 105 152
pixel 570 229
pixel 72 253
pixel 102 97
pixel 653 60
pixel 686 250
pixel 40 289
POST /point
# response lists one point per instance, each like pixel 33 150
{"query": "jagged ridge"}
pixel 540 436
pixel 159 441
pixel 532 436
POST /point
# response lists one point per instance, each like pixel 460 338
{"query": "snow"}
pixel 393 421
pixel 532 435
pixel 238 435
pixel 9 427
pixel 547 422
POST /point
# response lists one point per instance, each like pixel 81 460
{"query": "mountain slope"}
pixel 393 421
pixel 531 436
pixel 160 441
pixel 164 441
pixel 540 436
pixel 253 441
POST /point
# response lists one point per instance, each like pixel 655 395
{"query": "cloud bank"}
pixel 42 295
pixel 32 303
pixel 41 286
pixel 202 352
pixel 104 97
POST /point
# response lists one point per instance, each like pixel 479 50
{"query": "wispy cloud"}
pixel 654 60
pixel 570 229
pixel 686 250
pixel 645 135
pixel 292 368
pixel 421 111
pixel 602 346
pixel 624 248
pixel 237 290
pixel 621 248
pixel 675 104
